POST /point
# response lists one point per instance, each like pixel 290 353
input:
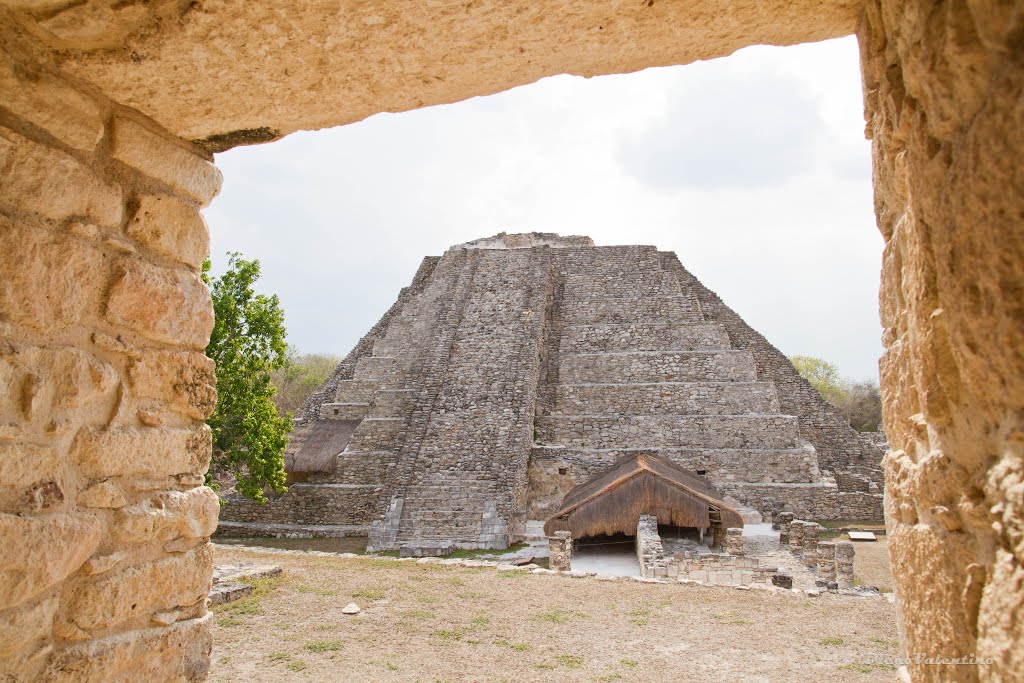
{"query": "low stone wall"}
pixel 655 366
pixel 649 551
pixel 713 431
pixel 684 398
pixel 720 569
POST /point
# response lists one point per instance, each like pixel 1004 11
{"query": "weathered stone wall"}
pixel 103 385
pixel 944 96
pixel 649 552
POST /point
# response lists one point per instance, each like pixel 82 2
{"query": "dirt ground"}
pixel 871 565
pixel 448 623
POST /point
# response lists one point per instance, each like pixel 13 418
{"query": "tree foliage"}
pixel 859 402
pixel 247 345
pixel 299 377
pixel 822 375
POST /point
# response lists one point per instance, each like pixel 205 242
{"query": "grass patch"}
pixel 250 604
pixel 512 573
pixel 730 617
pixel 555 616
pixel 609 677
pixel 831 640
pixel 417 614
pixel 521 647
pixel 390 666
pixel 884 641
pixel 631 663
pixel 369 594
pixel 228 622
pixel 324 646
pixel 449 634
pixel 297 665
pixel 480 620
pixel 302 588
pixel 569 661
pixel 279 656
pixel 429 600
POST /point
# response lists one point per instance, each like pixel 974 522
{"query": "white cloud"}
pixel 341 218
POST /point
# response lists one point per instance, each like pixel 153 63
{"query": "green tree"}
pixel 247 345
pixel 299 377
pixel 862 406
pixel 823 376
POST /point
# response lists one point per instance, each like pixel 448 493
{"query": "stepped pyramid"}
pixel 517 366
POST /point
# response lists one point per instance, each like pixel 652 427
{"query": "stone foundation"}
pixel 560 551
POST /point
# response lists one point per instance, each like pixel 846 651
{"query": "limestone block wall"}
pixel 649 551
pixel 944 97
pixel 103 385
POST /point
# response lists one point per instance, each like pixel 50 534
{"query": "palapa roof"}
pixel 640 484
pixel 321 445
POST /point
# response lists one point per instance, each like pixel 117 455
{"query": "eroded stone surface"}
pixel 170 306
pixel 171 227
pixel 143 452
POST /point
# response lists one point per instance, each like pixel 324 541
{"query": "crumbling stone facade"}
pixel 943 87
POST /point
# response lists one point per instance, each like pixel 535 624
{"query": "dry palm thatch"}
pixel 320 447
pixel 640 484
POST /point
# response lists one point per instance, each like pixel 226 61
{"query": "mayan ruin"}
pixel 509 375
pixel 515 367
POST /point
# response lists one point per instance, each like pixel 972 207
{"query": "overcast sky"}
pixel 753 169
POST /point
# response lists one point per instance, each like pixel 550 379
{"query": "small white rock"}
pixel 351 608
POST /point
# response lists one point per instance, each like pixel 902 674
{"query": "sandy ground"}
pixel 871 565
pixel 446 623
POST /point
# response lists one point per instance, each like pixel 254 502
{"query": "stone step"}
pixel 355 391
pixel 344 411
pixel 359 467
pixel 309 503
pixel 374 367
pixel 393 402
pixel 657 366
pixel 798 464
pixel 622 282
pixel 667 398
pixel 376 433
pixel 650 309
pixel 663 336
pixel 707 431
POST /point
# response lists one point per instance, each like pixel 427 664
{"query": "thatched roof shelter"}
pixel 319 449
pixel 641 484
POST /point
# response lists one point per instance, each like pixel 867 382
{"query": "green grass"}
pixel 609 677
pixel 570 661
pixel 449 634
pixel 417 614
pixel 831 640
pixel 228 622
pixel 512 573
pixel 279 656
pixel 730 618
pixel 369 594
pixel 318 591
pixel 480 620
pixel 884 641
pixel 555 616
pixel 521 647
pixel 324 646
pixel 631 663
pixel 250 604
pixel 297 665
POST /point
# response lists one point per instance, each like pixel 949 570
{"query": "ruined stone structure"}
pixel 515 367
pixel 109 111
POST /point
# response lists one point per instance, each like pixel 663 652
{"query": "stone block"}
pixel 171 227
pixel 21 628
pixel 180 652
pixel 183 381
pixel 161 159
pixel 144 452
pixel 53 184
pixel 50 280
pixel 170 515
pixel 22 464
pixel 135 592
pixel 47 102
pixel 171 306
pixel 49 549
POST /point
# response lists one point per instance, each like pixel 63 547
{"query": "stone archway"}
pixel 108 116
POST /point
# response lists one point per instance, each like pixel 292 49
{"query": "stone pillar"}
pixel 717 535
pixel 826 558
pixel 103 446
pixel 844 564
pixel 734 541
pixel 943 88
pixel 809 553
pixel 560 551
pixel 796 537
pixel 785 521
